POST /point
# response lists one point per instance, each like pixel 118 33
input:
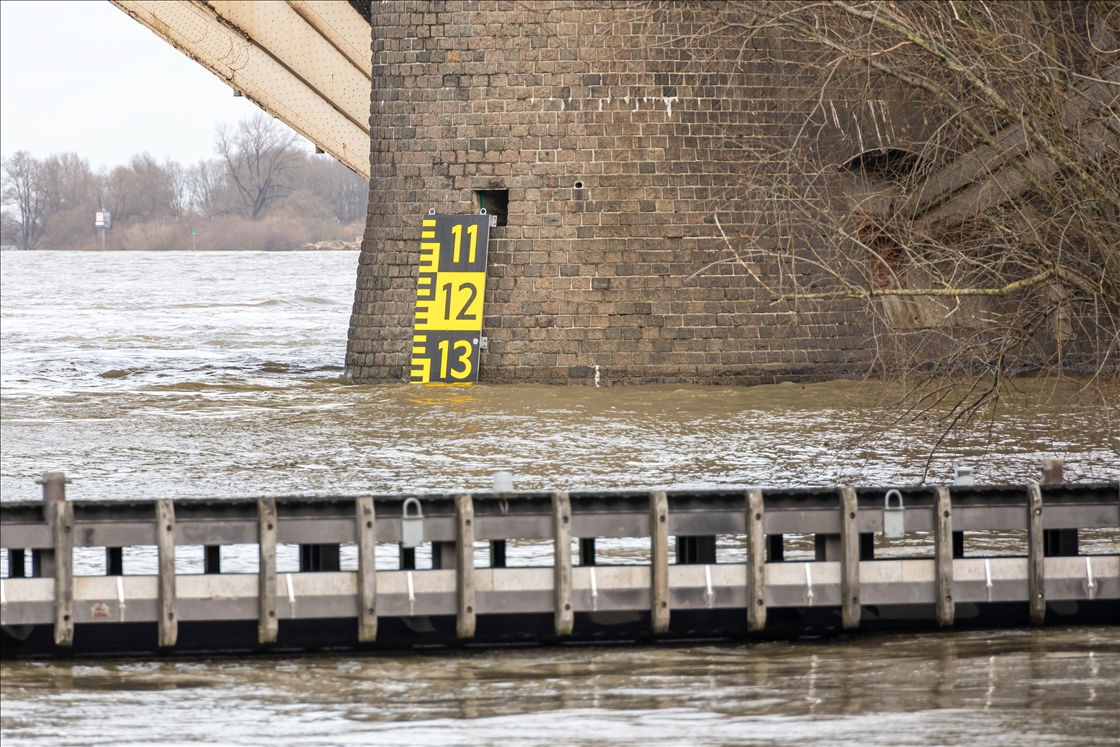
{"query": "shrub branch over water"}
pixel 951 168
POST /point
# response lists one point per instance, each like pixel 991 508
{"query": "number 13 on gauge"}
pixel 444 357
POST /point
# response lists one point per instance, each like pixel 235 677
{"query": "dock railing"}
pixel 41 588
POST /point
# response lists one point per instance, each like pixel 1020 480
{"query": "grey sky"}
pixel 84 77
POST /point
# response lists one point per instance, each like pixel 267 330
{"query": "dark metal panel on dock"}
pixel 216 532
pixel 611 525
pixel 110 533
pixel 536 526
pixel 508 602
pixel 313 531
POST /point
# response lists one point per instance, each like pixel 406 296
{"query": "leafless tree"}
pixel 139 191
pixel 345 191
pixel 23 192
pixel 73 194
pixel 259 155
pixel 150 201
pixel 68 182
pixel 209 188
pixel 178 187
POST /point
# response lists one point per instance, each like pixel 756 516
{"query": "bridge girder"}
pixel 305 62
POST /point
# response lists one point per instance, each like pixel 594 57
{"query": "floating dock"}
pixel 47 611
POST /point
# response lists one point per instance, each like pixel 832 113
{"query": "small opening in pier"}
pixel 885 163
pixel 495 202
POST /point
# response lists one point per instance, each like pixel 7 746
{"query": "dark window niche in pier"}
pixel 495 202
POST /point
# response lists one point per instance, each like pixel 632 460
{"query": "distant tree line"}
pixel 262 191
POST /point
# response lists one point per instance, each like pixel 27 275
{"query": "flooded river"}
pixel 1014 688
pixel 174 375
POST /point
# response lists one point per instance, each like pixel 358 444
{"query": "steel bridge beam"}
pixel 305 62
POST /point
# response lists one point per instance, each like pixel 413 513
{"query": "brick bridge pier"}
pixel 606 158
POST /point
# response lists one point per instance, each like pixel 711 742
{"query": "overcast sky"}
pixel 84 77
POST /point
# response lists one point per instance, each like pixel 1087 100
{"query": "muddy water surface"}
pixel 1014 688
pixel 222 374
pixel 176 375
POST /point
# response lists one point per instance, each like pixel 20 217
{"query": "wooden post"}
pixel 564 617
pixel 267 624
pixel 756 562
pixel 1036 568
pixel 464 565
pixel 849 558
pixel 943 556
pixel 54 492
pixel 1057 542
pixel 165 542
pixel 367 570
pixel 1052 470
pixel 63 573
pixel 659 561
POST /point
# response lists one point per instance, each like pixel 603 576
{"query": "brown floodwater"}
pixel 177 375
pixel 1058 686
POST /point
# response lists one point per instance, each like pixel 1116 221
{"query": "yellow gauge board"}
pixel 450 284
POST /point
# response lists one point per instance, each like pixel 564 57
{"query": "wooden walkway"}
pixel 46 610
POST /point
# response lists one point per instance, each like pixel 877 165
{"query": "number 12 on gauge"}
pixel 456 303
pixel 444 357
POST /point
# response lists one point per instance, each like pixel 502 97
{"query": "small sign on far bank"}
pixel 102 220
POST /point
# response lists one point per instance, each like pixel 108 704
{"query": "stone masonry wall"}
pixel 537 97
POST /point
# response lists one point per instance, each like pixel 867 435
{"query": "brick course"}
pixel 534 97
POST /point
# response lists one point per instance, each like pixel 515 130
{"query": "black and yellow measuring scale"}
pixel 447 330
